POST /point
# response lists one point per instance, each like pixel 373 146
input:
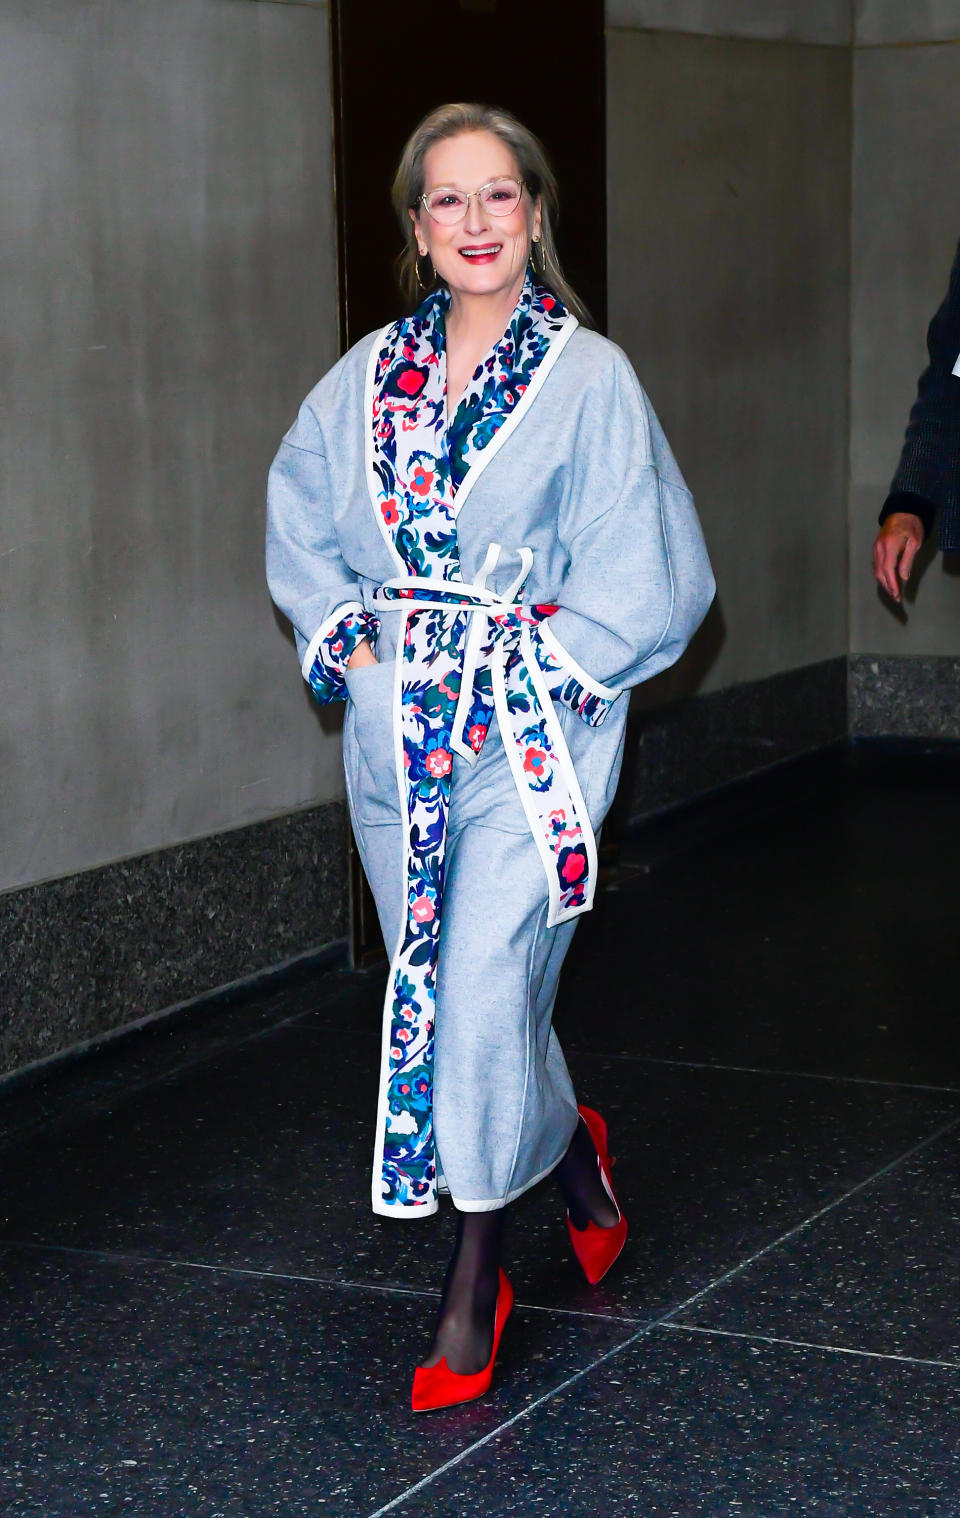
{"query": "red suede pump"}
pixel 596 1248
pixel 438 1386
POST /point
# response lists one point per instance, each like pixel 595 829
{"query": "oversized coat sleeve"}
pixel 639 581
pixel 306 573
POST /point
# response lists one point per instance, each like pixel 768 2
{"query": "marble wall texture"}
pixel 168 297
pixel 681 750
pixel 904 697
pixel 89 953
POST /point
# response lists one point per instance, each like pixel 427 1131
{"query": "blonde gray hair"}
pixel 535 171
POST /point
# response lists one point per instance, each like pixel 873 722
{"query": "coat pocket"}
pixel 368 744
pixel 596 754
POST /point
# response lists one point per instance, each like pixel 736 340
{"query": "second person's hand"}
pixel 894 550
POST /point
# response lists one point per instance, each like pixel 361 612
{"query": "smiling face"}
pixel 484 254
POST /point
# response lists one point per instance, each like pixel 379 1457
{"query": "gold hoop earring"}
pixel 540 269
pixel 416 270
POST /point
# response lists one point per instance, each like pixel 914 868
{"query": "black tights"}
pixel 578 1175
pixel 464 1330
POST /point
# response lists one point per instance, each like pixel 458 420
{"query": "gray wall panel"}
pixel 826 21
pixel 167 294
pixel 905 230
pixel 886 21
pixel 729 211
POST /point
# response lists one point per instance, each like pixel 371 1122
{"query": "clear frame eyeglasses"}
pixel 448 206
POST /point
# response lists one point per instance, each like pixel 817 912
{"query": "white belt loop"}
pixel 526 564
pixel 490 562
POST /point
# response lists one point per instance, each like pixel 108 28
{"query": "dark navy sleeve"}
pixel 928 475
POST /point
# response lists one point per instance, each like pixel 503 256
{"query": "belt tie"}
pixel 459 640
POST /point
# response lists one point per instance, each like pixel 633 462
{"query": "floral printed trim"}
pixel 417 462
pixel 500 381
pixel 405 1171
pixel 567 682
pixel 331 647
pixel 546 781
pixel 429 675
pixel 420 470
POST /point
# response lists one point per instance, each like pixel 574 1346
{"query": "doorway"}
pixel 391 65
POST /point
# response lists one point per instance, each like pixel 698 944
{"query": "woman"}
pixel 481 538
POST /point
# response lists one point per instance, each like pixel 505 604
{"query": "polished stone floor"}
pixel 200 1316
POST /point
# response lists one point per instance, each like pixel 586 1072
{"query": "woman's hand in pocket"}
pixel 369 741
pixel 362 654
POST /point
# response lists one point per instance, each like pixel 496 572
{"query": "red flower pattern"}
pixel 422 480
pixel 534 761
pixel 422 910
pixel 439 763
pixel 417 495
pixel 573 868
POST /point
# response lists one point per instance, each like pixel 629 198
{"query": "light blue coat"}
pixel 587 482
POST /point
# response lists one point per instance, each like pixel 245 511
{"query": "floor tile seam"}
pixel 808 1222
pixel 643 1331
pixel 227 1042
pixel 102 1103
pixel 508 1423
pixel 170 1262
pixel 663 1321
pixel 831 1349
pixel 125 1257
pixel 805 1075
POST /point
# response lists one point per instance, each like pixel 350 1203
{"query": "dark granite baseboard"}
pixel 86 955
pixel 90 953
pixel 681 751
pixel 904 696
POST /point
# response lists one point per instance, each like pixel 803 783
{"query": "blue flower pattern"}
pixel 325 677
pixel 419 463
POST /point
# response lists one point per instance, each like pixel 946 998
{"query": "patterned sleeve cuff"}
pixel 330 648
pixel 568 683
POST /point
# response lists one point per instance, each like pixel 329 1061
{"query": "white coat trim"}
pixel 556 914
pixel 593 687
pixel 381 1208
pixel 324 631
pixel 559 742
pixel 404 1210
pixel 511 1196
pixel 424 582
pixel 471 652
pixel 558 341
pixel 373 479
pixel 468 674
